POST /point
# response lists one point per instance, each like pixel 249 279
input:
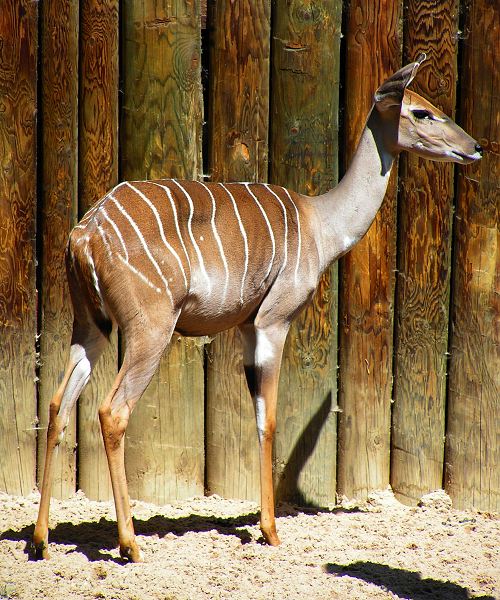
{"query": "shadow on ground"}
pixel 405 584
pixel 93 539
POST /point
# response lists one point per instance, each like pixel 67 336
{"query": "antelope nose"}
pixel 478 148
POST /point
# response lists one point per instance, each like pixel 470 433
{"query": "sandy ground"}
pixel 212 548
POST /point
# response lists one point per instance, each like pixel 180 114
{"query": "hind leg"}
pixel 144 346
pixel 86 346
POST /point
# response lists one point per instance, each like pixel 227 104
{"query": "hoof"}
pixel 40 550
pixel 132 553
pixel 271 537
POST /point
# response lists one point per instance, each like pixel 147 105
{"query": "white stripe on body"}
pixel 141 276
pixel 160 227
pixel 116 230
pixel 168 191
pixel 190 230
pixel 299 241
pixel 93 272
pixel 268 226
pixel 218 240
pixel 144 245
pixel 105 239
pixel 286 226
pixel 124 259
pixel 243 235
pixel 93 209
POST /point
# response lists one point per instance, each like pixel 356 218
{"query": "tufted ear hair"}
pixel 391 92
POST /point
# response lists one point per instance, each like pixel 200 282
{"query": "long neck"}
pixel 346 212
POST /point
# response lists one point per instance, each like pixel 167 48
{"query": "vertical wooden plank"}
pixel 472 442
pixel 238 146
pixel 373 50
pixel 303 150
pixel 239 90
pixel 161 137
pixel 98 172
pixel 59 111
pixel 424 253
pixel 18 144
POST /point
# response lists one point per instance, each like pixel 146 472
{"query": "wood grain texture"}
pixel 165 442
pixel 424 254
pixel 232 448
pixel 59 112
pixel 98 172
pixel 161 137
pixel 366 296
pixel 238 150
pixel 18 143
pixel 239 92
pixel 472 442
pixel 303 151
pixel 162 108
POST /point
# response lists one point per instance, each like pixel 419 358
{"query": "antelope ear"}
pixel 391 92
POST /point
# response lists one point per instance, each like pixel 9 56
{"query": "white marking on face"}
pixel 260 416
pixel 160 228
pixel 268 227
pixel 190 231
pixel 144 245
pixel 245 239
pixel 218 240
pixel 285 248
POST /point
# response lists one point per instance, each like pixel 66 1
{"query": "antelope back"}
pixel 212 249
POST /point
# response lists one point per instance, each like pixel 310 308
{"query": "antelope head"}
pixel 421 127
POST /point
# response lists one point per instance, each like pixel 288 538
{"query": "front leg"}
pixel 265 344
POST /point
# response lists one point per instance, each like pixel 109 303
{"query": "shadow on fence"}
pixel 288 484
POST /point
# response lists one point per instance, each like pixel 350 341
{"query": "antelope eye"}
pixel 422 114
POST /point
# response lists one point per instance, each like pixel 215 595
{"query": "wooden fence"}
pixel 392 376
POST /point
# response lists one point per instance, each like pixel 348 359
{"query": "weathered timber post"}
pixel 58 200
pixel 424 267
pixel 472 475
pixel 18 144
pixel 366 297
pixel 303 157
pixel 98 172
pixel 161 137
pixel 238 150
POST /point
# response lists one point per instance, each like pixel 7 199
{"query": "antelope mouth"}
pixel 465 159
